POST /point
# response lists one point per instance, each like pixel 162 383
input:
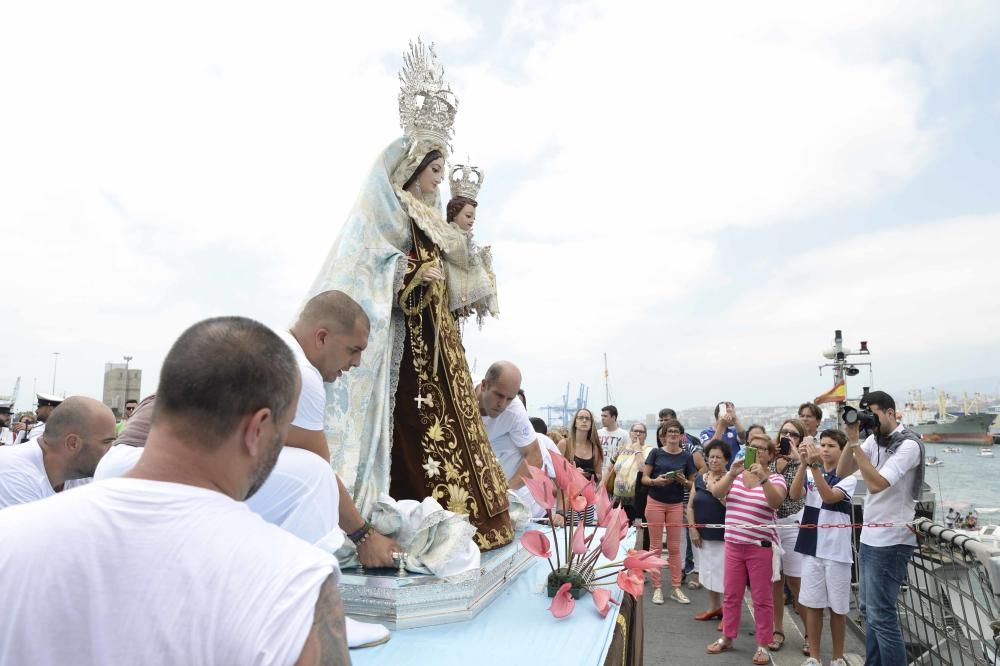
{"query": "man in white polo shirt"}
pixel 511 434
pixel 891 461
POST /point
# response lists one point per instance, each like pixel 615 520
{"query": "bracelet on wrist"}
pixel 360 535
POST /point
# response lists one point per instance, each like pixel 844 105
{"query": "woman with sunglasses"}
pixel 787 463
pixel 667 472
pixel 752 496
pixel 626 479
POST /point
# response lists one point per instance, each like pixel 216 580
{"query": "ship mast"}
pixel 843 368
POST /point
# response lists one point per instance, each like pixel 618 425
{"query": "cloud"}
pixel 164 166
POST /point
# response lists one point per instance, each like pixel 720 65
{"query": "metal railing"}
pixel 949 607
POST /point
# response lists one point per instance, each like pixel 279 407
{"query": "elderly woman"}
pixel 626 478
pixel 704 508
pixel 752 496
pixel 668 471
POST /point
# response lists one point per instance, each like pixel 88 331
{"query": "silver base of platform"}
pixel 420 600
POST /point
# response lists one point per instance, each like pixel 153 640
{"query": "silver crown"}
pixel 465 181
pixel 427 107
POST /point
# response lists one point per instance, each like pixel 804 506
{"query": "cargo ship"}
pixel 961 429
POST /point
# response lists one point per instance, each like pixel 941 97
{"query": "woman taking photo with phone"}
pixel 751 495
pixel 667 472
pixel 790 436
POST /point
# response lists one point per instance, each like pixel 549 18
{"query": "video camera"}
pixel 863 417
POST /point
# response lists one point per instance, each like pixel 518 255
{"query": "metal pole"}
pixel 55 365
pixel 128 359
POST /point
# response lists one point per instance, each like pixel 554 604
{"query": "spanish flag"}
pixel 837 394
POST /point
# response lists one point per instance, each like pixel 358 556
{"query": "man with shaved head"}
pixel 77 433
pixel 195 576
pixel 511 434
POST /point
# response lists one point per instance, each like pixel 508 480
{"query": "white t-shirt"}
pixel 509 433
pixel 157 573
pixel 300 495
pixel 895 504
pixel 545 444
pixel 611 442
pixel 309 415
pixel 23 478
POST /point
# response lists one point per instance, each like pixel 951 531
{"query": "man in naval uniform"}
pixel 46 403
pixel 6 434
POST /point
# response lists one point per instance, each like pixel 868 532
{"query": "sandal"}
pixel 719 646
pixel 694 585
pixel 775 644
pixel 805 645
pixel 761 656
pixel 709 615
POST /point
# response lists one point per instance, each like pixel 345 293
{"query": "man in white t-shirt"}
pixel 611 435
pixel 79 431
pixel 891 461
pixel 511 434
pixel 198 578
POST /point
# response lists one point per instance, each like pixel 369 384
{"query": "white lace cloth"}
pixel 436 541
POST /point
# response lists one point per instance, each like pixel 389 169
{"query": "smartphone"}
pixel 750 458
pixel 723 408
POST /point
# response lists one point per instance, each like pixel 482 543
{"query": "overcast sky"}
pixel 703 191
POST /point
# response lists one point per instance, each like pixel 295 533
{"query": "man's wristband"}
pixel 815 465
pixel 360 535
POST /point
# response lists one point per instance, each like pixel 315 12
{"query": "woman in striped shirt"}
pixel 751 495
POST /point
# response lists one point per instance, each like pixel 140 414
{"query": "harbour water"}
pixel 965 481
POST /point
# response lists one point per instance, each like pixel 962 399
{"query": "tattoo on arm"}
pixel 328 625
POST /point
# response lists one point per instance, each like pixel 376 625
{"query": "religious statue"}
pixel 406 422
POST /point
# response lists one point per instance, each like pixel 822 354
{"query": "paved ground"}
pixel 673 636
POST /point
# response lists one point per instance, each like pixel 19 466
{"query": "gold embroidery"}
pixel 451 438
pixel 623 625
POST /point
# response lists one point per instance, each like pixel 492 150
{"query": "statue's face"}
pixel 466 217
pixel 431 177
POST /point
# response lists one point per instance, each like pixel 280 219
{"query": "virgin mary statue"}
pixel 407 422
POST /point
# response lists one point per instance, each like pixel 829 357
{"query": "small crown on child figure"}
pixel 465 181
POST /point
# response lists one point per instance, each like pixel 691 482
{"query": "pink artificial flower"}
pixel 632 581
pixel 563 470
pixel 540 487
pixel 612 534
pixel 579 545
pixel 536 543
pixel 563 603
pixel 589 490
pixel 604 506
pixel 643 560
pixel 603 600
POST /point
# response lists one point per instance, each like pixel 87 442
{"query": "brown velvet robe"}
pixel 439 445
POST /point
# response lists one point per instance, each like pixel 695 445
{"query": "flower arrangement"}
pixel 579 571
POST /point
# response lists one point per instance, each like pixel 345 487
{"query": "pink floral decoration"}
pixel 602 600
pixel 536 543
pixel 563 603
pixel 540 487
pixel 632 581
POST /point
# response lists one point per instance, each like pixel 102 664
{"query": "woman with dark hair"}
pixel 704 508
pixel 668 471
pixel 406 422
pixel 787 463
pixel 584 449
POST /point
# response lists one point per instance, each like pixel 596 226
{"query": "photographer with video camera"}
pixel 891 461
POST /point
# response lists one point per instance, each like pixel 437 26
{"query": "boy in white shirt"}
pixel 827 556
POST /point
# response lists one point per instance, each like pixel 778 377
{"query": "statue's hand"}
pixel 431 274
pixel 377 551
